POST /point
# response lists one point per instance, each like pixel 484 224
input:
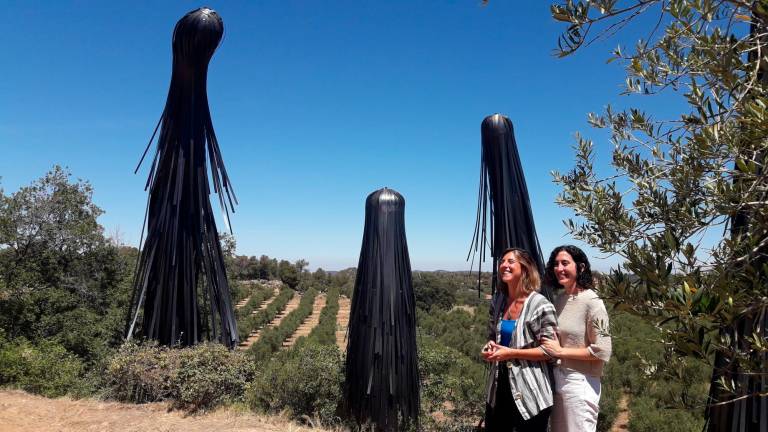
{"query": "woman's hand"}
pixel 499 353
pixel 487 350
pixel 552 347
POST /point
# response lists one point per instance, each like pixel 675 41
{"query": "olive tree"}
pixel 685 202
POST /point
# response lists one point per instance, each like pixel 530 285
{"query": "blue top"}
pixel 507 328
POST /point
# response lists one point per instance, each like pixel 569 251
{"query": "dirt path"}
pixel 466 308
pixel 306 327
pixel 292 304
pixel 23 412
pixel 342 321
pixel 290 307
pixel 242 302
pixel 621 422
pixel 266 302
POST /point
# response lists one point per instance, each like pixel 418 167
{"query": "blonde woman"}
pixel 519 391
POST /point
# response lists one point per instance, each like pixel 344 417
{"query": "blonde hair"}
pixel 530 280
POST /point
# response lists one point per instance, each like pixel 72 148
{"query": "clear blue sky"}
pixel 315 104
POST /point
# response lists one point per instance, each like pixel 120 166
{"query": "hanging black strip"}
pixel 182 253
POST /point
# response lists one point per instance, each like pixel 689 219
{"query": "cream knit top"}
pixel 583 323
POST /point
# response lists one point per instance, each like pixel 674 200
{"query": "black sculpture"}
pixel 744 406
pixel 382 378
pixel 182 250
pixel 502 185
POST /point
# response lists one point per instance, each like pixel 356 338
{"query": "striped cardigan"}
pixel 531 381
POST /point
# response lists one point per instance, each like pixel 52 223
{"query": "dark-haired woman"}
pixel 583 345
pixel 519 392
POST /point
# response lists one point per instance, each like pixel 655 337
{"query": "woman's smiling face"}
pixel 565 269
pixel 510 269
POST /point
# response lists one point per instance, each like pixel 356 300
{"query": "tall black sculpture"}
pixel 382 378
pixel 503 197
pixel 182 250
pixel 743 407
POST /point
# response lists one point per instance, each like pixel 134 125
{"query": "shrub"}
pixel 246 320
pixel 452 385
pixel 459 329
pixel 656 397
pixel 141 373
pixel 251 322
pixel 194 378
pixel 306 380
pixel 609 402
pixel 258 293
pixel 45 368
pixel 271 339
pixel 645 415
pixel 324 332
pixel 208 375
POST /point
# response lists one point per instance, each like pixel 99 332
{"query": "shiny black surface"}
pixel 382 378
pixel 180 279
pixel 503 199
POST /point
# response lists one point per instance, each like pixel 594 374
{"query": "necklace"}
pixel 514 308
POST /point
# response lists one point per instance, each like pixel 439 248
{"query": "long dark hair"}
pixel 382 376
pixel 583 269
pixel 182 249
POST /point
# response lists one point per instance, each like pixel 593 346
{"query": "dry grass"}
pixel 20 411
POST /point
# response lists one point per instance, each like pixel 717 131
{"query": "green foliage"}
pixel 271 339
pixel 438 289
pixel 345 279
pixel 140 374
pixel 610 395
pixel 321 278
pixel 646 415
pixel 637 369
pixel 60 279
pixel 45 368
pixel 209 374
pixel 459 329
pixel 194 378
pixel 324 332
pixel 246 320
pixel 452 385
pixel 237 289
pixel 263 317
pixel 306 380
pixel 675 185
pixel 289 275
pixel 241 267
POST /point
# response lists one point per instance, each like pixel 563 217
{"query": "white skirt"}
pixel 576 401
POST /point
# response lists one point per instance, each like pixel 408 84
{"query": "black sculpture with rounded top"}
pixel 503 201
pixel 382 377
pixel 180 280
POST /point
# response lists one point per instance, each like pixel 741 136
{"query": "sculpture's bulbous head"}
pixel 385 200
pixel 196 36
pixel 495 124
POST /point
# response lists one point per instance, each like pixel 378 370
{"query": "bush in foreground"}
pixel 452 388
pixel 45 368
pixel 194 378
pixel 306 381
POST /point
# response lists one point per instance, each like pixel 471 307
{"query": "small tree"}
pixel 60 278
pixel 288 274
pixel 686 203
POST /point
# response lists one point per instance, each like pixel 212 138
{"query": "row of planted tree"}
pixel 653 397
pixel 452 375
